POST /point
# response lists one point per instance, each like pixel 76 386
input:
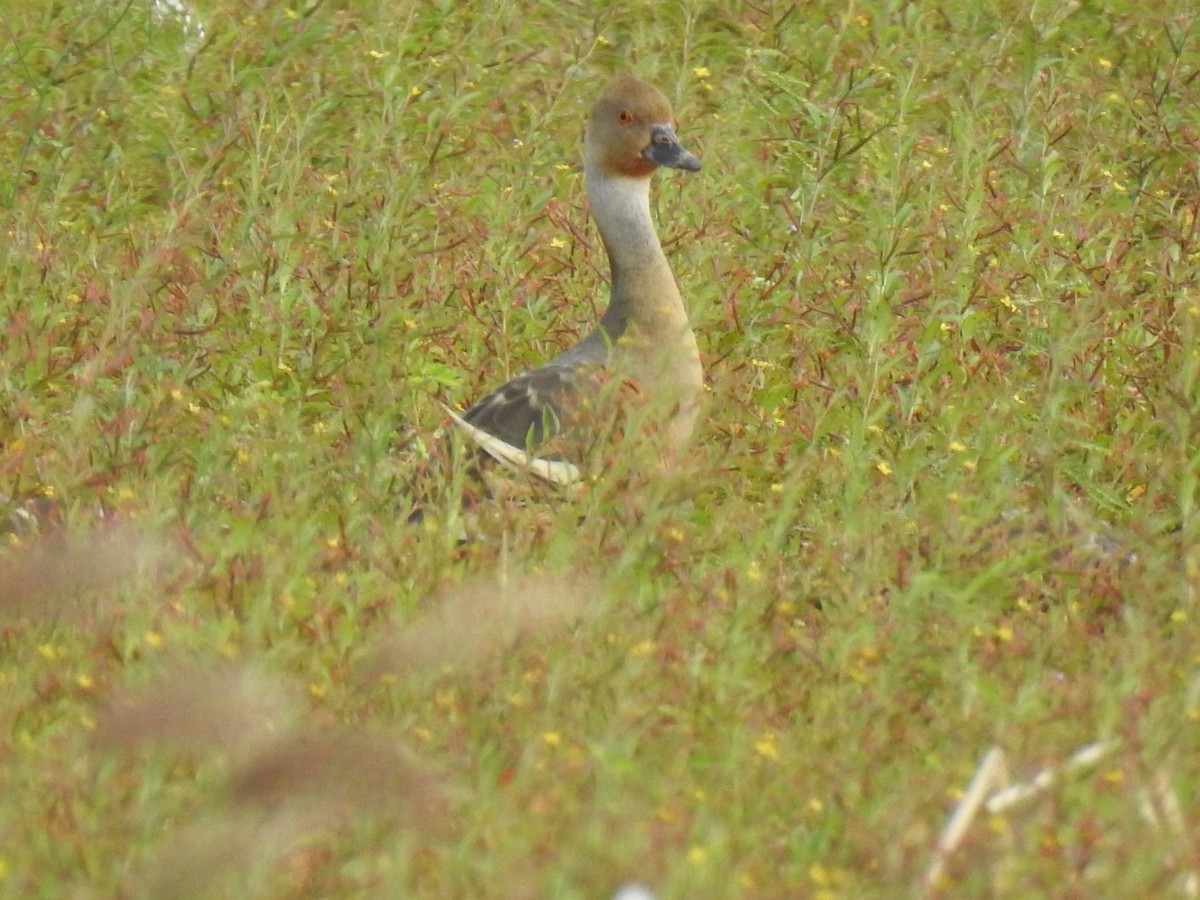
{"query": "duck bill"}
pixel 665 150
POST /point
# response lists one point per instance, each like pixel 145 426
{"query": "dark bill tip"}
pixel 665 150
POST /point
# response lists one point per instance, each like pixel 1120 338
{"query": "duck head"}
pixel 632 132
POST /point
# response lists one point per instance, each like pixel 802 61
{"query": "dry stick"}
pixel 1160 798
pixel 1081 759
pixel 989 776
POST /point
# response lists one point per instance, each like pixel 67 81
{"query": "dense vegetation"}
pixel 943 261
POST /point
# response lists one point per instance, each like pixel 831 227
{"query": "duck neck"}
pixel 644 294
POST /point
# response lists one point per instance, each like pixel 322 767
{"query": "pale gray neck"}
pixel 621 207
pixel 640 273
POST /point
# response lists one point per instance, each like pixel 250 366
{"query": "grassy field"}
pixel 943 265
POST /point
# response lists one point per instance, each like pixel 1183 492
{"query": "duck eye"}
pixel 624 117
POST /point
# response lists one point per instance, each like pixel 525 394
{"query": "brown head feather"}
pixel 621 125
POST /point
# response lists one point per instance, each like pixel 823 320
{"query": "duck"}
pixel 541 421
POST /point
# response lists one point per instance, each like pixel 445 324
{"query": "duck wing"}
pixel 532 408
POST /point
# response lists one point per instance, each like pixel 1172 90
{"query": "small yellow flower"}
pixel 153 639
pixel 1179 616
pixel 1104 63
pixel 957 447
pixel 1004 633
pixel 415 91
pixel 318 691
pixel 883 467
pixel 766 748
pixel 87 682
pixel 701 72
pixel 642 648
pixel 697 855
pixel 552 738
